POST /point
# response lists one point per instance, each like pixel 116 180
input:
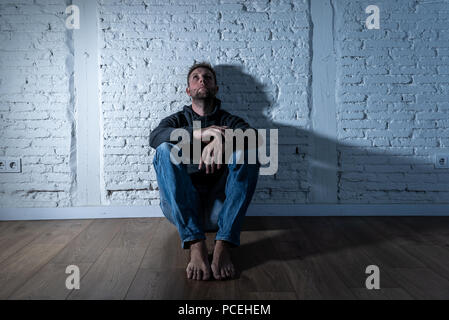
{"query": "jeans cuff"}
pixel 234 242
pixel 199 236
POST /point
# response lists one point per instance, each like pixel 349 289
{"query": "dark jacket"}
pixel 184 119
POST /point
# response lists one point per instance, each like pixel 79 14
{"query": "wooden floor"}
pixel 279 258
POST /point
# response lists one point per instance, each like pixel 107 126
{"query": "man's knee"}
pixel 164 147
pixel 168 151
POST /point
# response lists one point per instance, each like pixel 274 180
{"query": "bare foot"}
pixel 222 267
pixel 198 267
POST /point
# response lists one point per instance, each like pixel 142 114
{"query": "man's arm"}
pixel 162 132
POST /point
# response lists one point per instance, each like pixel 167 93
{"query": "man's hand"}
pixel 212 156
pixel 213 152
pixel 205 134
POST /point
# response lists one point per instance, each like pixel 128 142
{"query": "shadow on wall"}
pixel 400 179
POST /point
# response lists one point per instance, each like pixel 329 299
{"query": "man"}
pixel 183 186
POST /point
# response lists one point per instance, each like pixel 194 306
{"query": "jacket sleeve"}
pixel 162 132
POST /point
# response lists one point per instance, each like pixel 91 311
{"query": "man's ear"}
pixel 188 91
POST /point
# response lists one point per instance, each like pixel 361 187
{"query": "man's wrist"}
pixel 197 134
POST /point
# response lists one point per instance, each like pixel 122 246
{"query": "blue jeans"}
pixel 195 209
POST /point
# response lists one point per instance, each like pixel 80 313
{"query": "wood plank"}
pixel 154 284
pixel 82 251
pixel 89 244
pixel 18 234
pixel 298 255
pixel 257 261
pixel 269 296
pixel 112 274
pixel 434 257
pixel 209 290
pixel 421 283
pixel 48 283
pixel 432 254
pixel 280 258
pixel 382 294
pixel 381 251
pixel 434 229
pixel 412 275
pixel 318 265
pixel 165 249
pixel 395 228
pixel 212 290
pixel 210 243
pixel 17 269
pixel 5 225
pixel 62 231
pixel 135 233
pixel 346 256
pixel 300 273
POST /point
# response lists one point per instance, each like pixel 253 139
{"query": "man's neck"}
pixel 203 106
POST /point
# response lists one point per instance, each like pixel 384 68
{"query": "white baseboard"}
pixel 102 212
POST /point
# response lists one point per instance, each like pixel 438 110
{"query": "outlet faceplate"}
pixel 442 161
pixel 9 165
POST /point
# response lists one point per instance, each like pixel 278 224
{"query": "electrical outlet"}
pixel 442 161
pixel 10 165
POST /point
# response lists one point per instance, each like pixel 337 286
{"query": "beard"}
pixel 203 93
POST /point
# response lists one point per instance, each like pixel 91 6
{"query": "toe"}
pixel 228 272
pixel 189 273
pixel 217 275
pixel 198 274
pixel 215 272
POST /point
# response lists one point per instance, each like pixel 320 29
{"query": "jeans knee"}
pixel 168 153
pixel 164 147
pixel 162 151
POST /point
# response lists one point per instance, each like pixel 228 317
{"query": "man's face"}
pixel 202 84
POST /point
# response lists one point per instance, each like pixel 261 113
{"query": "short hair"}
pixel 205 65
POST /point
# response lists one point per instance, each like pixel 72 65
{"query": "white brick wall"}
pixel 261 53
pixel 392 98
pixel 35 103
pixel 392 93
